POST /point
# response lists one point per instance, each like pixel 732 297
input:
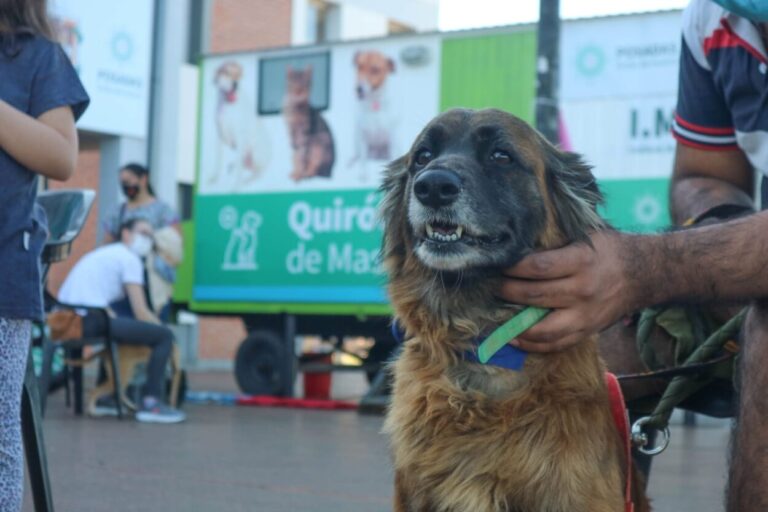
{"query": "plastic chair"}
pixel 66 211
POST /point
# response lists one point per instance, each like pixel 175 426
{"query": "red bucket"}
pixel 317 385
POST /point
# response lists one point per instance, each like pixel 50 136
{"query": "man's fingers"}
pixel 559 293
pixel 556 326
pixel 551 346
pixel 553 264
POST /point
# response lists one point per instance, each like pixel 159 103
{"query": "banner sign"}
pixel 293 143
pixel 620 56
pixel 110 45
pixel 292 149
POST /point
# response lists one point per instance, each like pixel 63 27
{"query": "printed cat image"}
pixel 311 139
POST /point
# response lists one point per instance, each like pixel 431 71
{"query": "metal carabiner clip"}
pixel 640 438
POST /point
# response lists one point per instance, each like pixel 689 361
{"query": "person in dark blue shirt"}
pixel 40 98
pixel 721 127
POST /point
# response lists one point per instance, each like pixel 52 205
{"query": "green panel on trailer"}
pixel 185 274
pixel 490 71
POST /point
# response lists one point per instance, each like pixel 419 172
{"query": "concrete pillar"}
pixel 171 51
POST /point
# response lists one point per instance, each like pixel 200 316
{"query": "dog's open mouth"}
pixel 444 232
pixel 447 233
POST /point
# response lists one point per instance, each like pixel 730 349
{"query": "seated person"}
pixel 111 273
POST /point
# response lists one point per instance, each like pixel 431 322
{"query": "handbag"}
pixel 65 324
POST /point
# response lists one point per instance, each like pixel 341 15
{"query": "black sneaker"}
pixel 104 406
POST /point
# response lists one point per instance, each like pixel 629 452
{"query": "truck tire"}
pixel 259 362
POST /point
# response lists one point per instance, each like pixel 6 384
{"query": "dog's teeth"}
pixel 430 231
pixel 459 231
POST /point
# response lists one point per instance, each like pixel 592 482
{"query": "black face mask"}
pixel 130 191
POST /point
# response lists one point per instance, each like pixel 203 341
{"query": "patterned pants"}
pixel 14 345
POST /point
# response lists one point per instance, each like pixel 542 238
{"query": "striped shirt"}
pixel 723 93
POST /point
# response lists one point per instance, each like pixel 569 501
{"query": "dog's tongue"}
pixel 231 96
pixel 444 229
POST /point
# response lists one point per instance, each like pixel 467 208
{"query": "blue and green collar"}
pixel 495 349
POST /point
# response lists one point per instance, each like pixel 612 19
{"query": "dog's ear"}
pixel 393 210
pixel 574 193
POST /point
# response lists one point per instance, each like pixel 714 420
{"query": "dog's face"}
pixel 373 68
pixel 227 79
pixel 479 190
pixel 298 83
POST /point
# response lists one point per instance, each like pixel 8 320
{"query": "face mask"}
pixel 130 191
pixel 141 245
pixel 754 10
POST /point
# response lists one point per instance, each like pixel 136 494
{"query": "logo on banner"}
pixel 122 46
pixel 240 253
pixel 647 210
pixel 590 60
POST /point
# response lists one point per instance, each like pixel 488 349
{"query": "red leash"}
pixel 621 420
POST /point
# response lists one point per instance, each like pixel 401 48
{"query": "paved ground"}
pixel 263 459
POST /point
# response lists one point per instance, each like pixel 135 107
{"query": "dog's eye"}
pixel 500 157
pixel 423 157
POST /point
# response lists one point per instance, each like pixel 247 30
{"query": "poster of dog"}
pixel 242 145
pixel 297 88
pixel 310 136
pixel 375 114
pixel 314 119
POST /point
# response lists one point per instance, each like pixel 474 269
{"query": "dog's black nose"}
pixel 437 188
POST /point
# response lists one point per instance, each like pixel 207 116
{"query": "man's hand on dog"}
pixel 586 288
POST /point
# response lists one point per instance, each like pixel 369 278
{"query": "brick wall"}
pixel 249 24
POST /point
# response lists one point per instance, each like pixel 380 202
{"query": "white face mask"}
pixel 141 245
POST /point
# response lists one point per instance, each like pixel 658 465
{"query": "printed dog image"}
pixel 244 146
pixel 375 119
pixel 311 139
pixel 477 192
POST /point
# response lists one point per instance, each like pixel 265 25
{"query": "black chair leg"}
pixel 45 372
pixel 34 445
pixel 112 349
pixel 67 386
pixel 77 381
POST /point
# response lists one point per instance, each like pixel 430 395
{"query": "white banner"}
pixel 627 56
pixel 622 138
pixel 110 45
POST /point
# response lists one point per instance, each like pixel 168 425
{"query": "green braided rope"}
pixel 684 386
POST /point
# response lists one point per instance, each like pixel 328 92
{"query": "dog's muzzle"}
pixel 437 188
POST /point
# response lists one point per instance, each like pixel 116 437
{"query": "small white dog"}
pixel 244 148
pixel 375 121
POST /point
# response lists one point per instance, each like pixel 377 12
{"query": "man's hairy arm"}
pixel 589 289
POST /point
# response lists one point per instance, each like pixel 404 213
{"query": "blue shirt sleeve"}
pixel 702 118
pixel 56 84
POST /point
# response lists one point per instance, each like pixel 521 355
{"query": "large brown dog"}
pixel 478 191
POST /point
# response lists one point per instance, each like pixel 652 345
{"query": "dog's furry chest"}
pixel 474 438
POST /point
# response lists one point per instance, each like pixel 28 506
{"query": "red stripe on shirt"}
pixel 726 38
pixel 702 129
pixel 688 142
